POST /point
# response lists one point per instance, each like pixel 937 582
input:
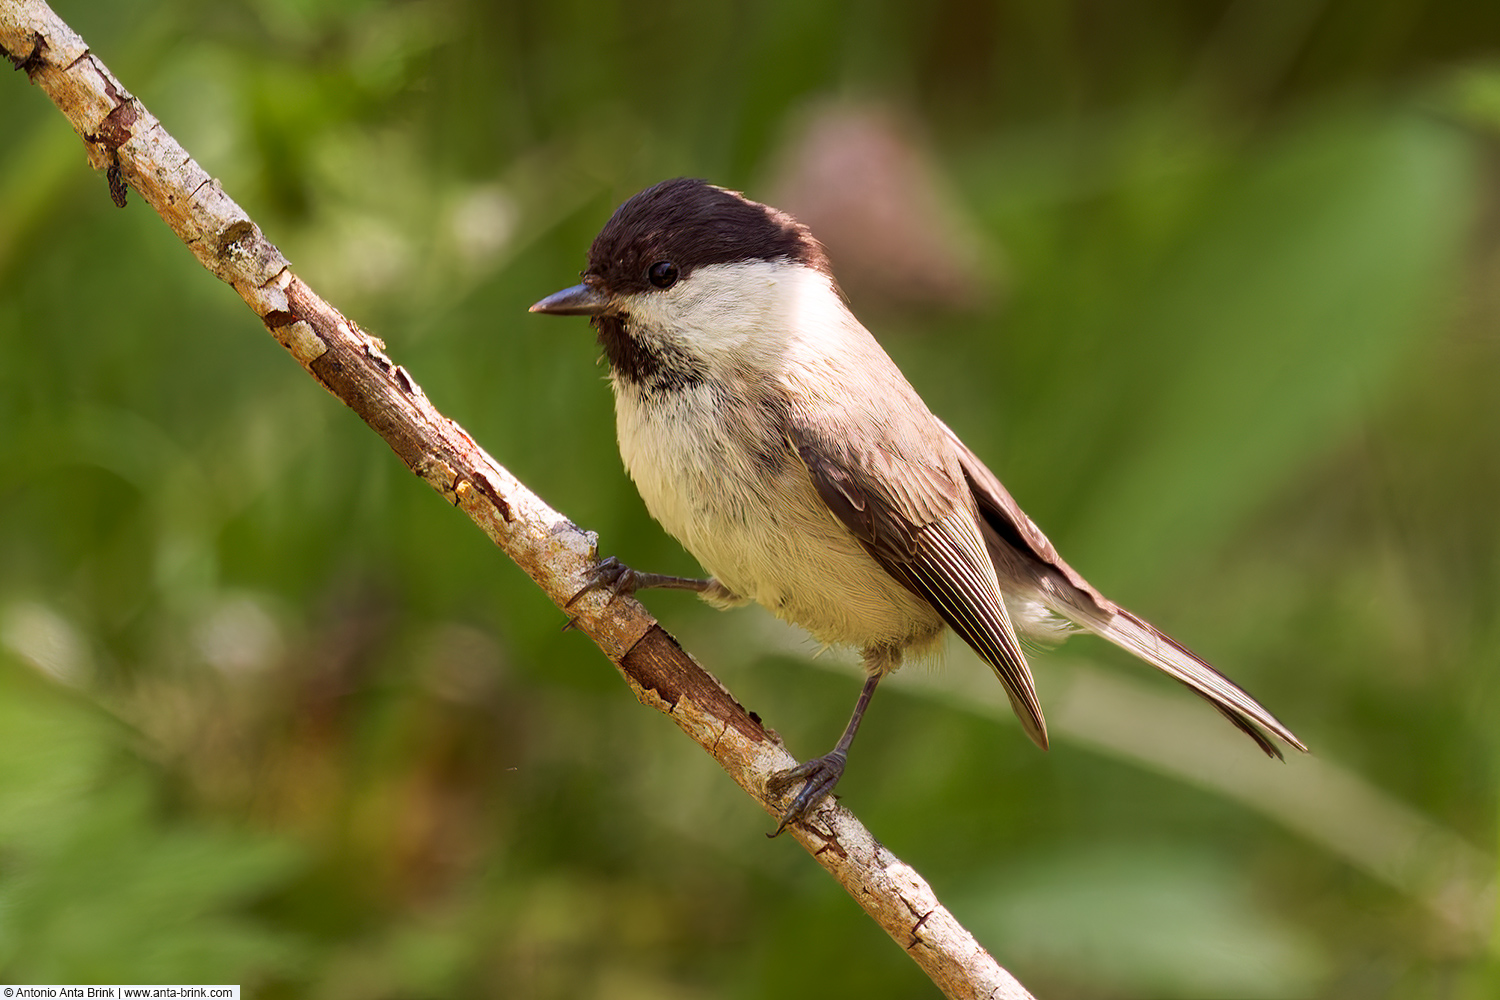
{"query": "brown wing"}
pixel 917 521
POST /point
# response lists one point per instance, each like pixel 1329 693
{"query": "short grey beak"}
pixel 580 300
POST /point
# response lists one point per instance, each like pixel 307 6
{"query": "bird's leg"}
pixel 821 773
pixel 612 575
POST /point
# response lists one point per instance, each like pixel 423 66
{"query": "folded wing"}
pixel 917 520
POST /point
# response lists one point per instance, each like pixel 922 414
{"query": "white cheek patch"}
pixel 736 315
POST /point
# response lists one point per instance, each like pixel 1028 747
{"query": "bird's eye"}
pixel 662 274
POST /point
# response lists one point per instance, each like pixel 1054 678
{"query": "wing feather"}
pixel 919 524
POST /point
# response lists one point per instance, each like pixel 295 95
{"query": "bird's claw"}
pixel 612 575
pixel 820 775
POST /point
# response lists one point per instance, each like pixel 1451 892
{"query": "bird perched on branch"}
pixel 771 435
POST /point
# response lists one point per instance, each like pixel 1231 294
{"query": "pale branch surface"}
pixel 126 141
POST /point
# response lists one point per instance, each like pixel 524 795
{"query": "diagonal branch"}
pixel 125 140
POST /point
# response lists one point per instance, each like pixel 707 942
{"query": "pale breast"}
pixel 712 472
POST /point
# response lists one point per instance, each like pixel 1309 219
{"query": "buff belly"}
pixel 751 517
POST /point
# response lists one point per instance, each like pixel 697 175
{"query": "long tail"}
pixel 1029 567
pixel 1140 637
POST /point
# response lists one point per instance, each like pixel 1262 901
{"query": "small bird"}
pixel 769 433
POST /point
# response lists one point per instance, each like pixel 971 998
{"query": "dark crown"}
pixel 694 224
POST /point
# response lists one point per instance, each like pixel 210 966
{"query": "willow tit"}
pixel 772 436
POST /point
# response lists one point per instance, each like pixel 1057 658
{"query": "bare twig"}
pixel 128 143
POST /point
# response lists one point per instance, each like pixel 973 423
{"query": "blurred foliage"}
pixel 270 713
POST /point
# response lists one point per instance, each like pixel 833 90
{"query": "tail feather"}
pixel 1140 637
pixel 1029 569
pixel 1250 729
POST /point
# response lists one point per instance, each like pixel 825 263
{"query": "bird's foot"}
pixel 820 775
pixel 617 578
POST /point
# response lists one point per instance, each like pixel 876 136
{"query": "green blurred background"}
pixel 1212 286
